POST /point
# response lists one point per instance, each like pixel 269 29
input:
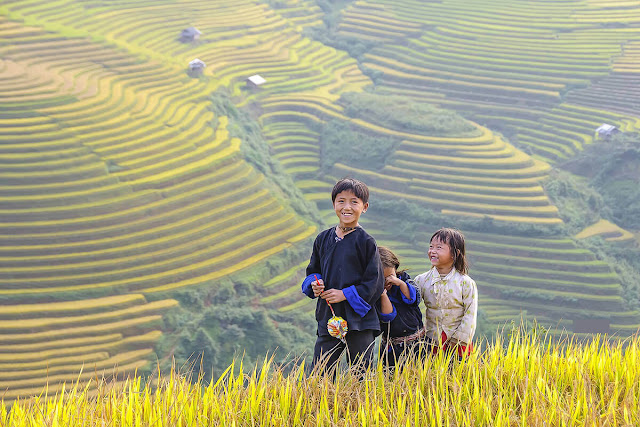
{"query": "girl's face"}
pixel 388 272
pixel 440 255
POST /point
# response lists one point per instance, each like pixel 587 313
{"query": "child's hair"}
pixel 455 239
pixel 388 258
pixel 358 188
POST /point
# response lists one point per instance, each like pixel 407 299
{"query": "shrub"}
pixel 613 170
pixel 340 143
pixel 402 114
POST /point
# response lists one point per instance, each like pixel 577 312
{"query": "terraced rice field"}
pixel 513 66
pixel 118 178
pixel 546 75
pixel 157 211
pixel 86 339
pixel 607 230
pixel 618 91
pixel 119 183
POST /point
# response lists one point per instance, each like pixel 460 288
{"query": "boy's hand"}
pixel 333 296
pixel 317 287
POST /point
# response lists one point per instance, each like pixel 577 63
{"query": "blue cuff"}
pixel 359 305
pixel 388 317
pixel 306 285
pixel 413 294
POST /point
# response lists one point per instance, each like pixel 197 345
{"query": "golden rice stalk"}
pixel 527 380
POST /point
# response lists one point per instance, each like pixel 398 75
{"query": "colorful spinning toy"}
pixel 337 326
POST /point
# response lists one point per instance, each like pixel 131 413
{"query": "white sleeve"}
pixel 467 328
pixel 421 284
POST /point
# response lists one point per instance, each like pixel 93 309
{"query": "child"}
pixel 449 295
pixel 345 271
pixel 400 316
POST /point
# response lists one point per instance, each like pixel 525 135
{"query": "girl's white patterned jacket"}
pixel 451 305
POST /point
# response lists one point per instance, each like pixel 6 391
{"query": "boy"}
pixel 349 274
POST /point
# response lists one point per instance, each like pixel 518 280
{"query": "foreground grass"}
pixel 525 381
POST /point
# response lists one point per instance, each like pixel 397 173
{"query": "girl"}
pixel 450 296
pixel 400 316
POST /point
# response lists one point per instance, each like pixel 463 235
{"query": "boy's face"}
pixel 348 208
pixel 440 254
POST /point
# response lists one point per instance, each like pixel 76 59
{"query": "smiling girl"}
pixel 449 294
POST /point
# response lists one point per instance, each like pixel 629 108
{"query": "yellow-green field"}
pixel 526 381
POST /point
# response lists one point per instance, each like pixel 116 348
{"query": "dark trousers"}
pixel 359 348
pixel 392 355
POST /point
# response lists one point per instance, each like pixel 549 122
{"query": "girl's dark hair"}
pixel 455 239
pixel 358 188
pixel 388 258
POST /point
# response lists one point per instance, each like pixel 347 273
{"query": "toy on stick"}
pixel 337 326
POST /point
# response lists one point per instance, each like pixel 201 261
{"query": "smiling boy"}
pixel 349 274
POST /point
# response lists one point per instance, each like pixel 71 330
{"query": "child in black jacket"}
pixel 400 316
pixel 345 271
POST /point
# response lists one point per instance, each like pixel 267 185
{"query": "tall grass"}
pixel 525 381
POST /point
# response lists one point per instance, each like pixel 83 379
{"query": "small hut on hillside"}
pixel 606 131
pixel 196 67
pixel 189 34
pixel 255 81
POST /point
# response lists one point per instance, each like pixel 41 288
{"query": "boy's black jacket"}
pixel 352 261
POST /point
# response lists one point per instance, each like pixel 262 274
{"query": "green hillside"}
pixel 139 202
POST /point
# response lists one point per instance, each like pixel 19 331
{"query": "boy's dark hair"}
pixel 358 188
pixel 455 239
